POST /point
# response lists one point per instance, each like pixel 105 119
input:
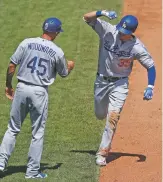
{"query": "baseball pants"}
pixel 33 100
pixel 109 98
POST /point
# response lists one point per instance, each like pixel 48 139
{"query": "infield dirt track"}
pixel 137 148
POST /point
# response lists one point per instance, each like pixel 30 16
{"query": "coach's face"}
pixel 54 35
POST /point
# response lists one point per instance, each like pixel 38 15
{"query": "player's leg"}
pixel 17 115
pixel 101 99
pixel 117 99
pixel 38 114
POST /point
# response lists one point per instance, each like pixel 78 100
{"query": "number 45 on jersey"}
pixel 39 65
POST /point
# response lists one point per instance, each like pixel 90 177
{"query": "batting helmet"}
pixel 52 25
pixel 128 24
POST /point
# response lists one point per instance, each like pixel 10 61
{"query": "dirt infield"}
pixel 136 151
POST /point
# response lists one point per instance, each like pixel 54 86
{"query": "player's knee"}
pixel 100 115
pixel 13 132
pixel 113 119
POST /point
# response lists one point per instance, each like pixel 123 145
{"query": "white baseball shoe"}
pixel 39 175
pixel 2 168
pixel 100 160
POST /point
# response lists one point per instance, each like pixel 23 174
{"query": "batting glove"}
pixel 148 93
pixel 109 14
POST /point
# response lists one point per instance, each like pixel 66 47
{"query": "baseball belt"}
pixel 27 83
pixel 110 78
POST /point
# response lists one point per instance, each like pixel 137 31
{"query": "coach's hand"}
pixel 109 14
pixel 70 65
pixel 9 93
pixel 148 93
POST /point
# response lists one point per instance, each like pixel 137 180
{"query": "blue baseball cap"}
pixel 52 25
pixel 127 25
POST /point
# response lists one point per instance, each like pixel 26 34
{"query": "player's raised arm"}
pixel 98 25
pixel 91 16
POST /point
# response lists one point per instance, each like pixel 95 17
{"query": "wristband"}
pixel 98 13
pixel 151 86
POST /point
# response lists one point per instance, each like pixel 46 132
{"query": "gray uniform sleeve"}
pixel 61 66
pixel 18 54
pixel 143 56
pixel 99 26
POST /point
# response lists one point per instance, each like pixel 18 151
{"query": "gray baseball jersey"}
pixel 40 60
pixel 116 57
pixel 115 60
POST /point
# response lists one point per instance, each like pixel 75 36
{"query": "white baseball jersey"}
pixel 39 61
pixel 116 57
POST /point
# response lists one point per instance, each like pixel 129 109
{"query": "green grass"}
pixel 72 132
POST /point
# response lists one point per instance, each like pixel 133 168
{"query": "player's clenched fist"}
pixel 70 65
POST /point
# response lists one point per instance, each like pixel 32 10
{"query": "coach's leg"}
pixel 38 113
pixel 17 115
pixel 117 99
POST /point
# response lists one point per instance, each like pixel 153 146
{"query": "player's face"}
pixel 124 37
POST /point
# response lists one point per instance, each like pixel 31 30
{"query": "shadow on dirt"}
pixel 114 155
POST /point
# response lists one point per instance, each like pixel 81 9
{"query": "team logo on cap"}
pixel 51 22
pixel 46 26
pixel 124 25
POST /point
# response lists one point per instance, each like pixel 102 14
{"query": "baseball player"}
pixel 39 61
pixel 118 48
